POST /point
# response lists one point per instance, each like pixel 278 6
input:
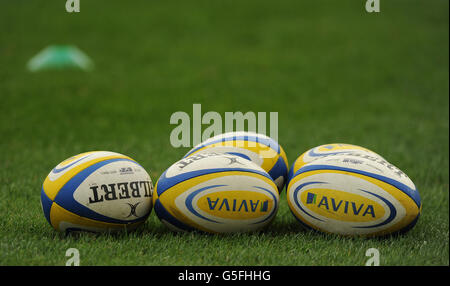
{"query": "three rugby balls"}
pixel 353 194
pixel 97 191
pixel 217 193
pixel 258 148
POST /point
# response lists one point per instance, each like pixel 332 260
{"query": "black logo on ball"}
pixel 133 209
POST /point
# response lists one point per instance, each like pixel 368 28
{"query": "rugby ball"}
pixel 258 148
pixel 353 194
pixel 327 150
pixel 217 193
pixel 97 191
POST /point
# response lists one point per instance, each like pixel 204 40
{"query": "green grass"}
pixel 333 72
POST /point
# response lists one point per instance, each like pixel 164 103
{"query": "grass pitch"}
pixel 333 72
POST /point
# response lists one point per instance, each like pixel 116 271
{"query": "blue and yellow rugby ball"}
pixel 217 193
pixel 353 194
pixel 97 191
pixel 258 148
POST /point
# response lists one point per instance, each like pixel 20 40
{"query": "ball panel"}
pixel 66 196
pixel 165 183
pixel 46 204
pixel 72 166
pixel 210 160
pixel 244 139
pixel 279 173
pixel 327 150
pixel 63 220
pixel 283 155
pixel 120 189
pixel 170 220
pixel 258 153
pixel 403 187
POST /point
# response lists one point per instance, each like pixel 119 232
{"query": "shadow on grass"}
pixel 159 231
pixel 278 229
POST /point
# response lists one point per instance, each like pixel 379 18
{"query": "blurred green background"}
pixel 332 71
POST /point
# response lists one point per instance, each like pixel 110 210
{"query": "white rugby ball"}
pixel 215 192
pixel 97 191
pixel 354 194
